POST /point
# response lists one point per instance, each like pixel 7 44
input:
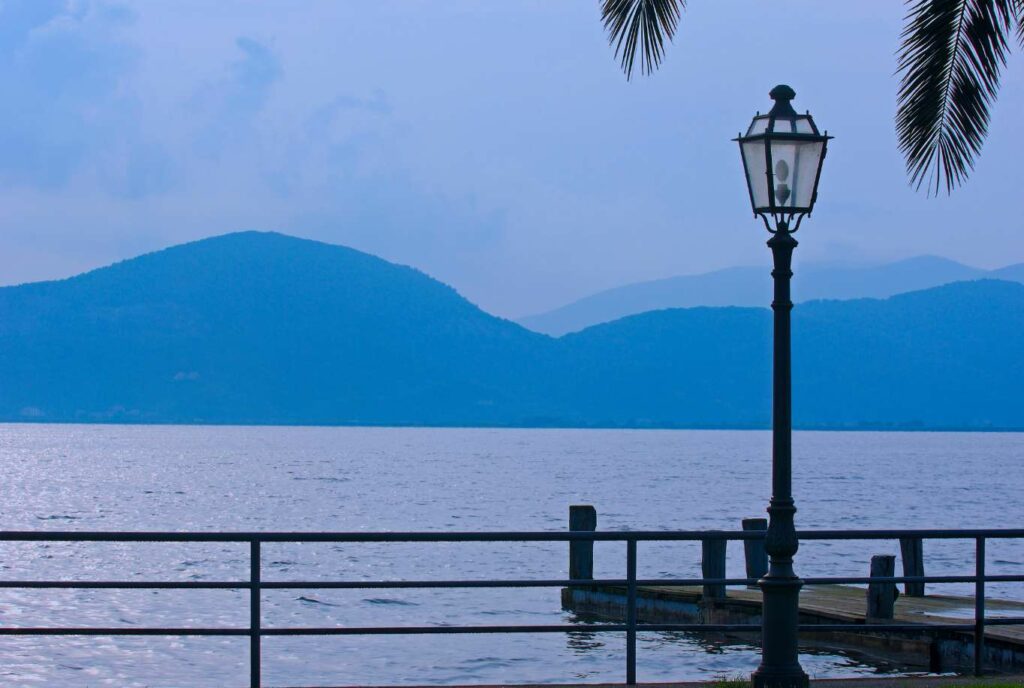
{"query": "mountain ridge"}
pixel 750 286
pixel 258 328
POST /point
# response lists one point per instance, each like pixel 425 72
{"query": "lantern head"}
pixel 782 157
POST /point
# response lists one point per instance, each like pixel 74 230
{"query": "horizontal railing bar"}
pixel 325 537
pixel 90 631
pixel 510 536
pixel 821 580
pixel 612 628
pixel 380 630
pixel 850 580
pixel 1004 621
pixel 540 583
pixel 339 630
pixel 433 630
pixel 452 630
pixel 313 585
pixel 356 585
pixel 924 534
pixel 342 585
pixel 106 585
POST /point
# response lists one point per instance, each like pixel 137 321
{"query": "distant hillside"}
pixel 949 357
pixel 1012 273
pixel 751 286
pixel 256 327
pixel 264 328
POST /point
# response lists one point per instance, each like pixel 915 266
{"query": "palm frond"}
pixel 1020 22
pixel 641 27
pixel 950 61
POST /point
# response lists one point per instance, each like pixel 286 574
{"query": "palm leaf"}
pixel 950 62
pixel 640 27
pixel 1020 22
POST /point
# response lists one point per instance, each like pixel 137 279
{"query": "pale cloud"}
pixel 64 107
pixel 228 107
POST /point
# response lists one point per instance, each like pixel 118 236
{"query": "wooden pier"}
pixel 938 650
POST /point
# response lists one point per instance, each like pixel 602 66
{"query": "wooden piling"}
pixel 581 553
pixel 913 564
pixel 881 597
pixel 712 564
pixel 753 550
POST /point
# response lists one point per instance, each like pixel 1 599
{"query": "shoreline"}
pixel 522 426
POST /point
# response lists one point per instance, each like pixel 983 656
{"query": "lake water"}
pixel 379 479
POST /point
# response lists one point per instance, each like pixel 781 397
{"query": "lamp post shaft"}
pixel 780 665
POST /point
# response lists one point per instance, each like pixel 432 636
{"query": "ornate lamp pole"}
pixel 782 156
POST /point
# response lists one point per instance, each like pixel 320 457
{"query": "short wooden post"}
pixel 753 550
pixel 581 552
pixel 882 596
pixel 712 564
pixel 913 564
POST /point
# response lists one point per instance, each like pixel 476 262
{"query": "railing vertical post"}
pixel 631 612
pixel 254 614
pixel 979 606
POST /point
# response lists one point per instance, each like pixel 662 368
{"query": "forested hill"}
pixel 264 328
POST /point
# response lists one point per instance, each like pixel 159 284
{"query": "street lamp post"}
pixel 782 156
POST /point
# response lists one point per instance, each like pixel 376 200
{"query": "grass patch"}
pixel 732 683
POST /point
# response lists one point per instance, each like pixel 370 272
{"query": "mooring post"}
pixel 913 564
pixel 581 552
pixel 882 596
pixel 712 564
pixel 753 550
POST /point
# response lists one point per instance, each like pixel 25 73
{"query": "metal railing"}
pixel 255 584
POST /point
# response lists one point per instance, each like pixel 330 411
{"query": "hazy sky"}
pixel 494 144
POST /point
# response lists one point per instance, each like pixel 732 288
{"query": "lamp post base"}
pixel 780 664
pixel 765 680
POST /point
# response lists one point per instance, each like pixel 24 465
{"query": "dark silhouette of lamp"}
pixel 782 157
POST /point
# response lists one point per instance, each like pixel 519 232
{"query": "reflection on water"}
pixel 373 479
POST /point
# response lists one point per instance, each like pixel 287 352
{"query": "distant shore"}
pixel 864 427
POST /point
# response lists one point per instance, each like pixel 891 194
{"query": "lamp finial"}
pixel 782 94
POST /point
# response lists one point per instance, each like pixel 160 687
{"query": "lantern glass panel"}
pixel 803 125
pixel 793 125
pixel 757 180
pixel 794 171
pixel 758 126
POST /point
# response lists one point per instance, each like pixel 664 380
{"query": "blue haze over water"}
pixel 376 479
